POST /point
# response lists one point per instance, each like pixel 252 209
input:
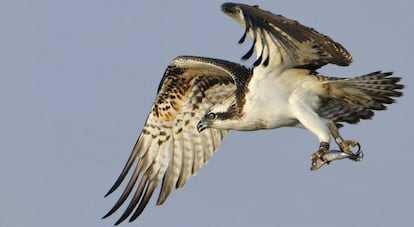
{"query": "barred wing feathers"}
pixel 170 149
pixel 285 43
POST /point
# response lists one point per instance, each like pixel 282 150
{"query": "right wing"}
pixel 284 43
pixel 170 149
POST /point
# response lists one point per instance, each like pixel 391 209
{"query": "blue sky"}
pixel 77 79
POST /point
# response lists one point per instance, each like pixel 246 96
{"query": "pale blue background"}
pixel 77 79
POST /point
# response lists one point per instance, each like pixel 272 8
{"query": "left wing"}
pixel 170 149
pixel 285 43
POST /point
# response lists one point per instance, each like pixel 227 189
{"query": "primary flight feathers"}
pixel 199 99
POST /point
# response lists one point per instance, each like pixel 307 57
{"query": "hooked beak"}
pixel 201 125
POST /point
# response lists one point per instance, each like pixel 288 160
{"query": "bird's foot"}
pixel 316 157
pixel 346 145
pixel 319 158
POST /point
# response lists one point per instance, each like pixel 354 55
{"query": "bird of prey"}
pixel 200 99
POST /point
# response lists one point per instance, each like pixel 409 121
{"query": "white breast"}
pixel 267 101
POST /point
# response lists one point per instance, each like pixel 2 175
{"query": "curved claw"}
pixel 359 148
pixel 358 156
pixel 346 144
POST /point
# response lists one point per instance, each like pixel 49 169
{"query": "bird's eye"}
pixel 211 116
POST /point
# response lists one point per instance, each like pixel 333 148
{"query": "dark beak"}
pixel 201 125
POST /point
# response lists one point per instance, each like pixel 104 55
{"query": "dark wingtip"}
pixel 229 8
pixel 109 192
pixel 243 38
pixel 266 61
pixel 118 222
pixel 258 61
pixel 124 216
pixel 145 199
pixel 107 215
pixel 249 53
pixel 114 187
pixel 114 208
pixel 126 168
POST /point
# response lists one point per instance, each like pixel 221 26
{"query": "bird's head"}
pixel 220 116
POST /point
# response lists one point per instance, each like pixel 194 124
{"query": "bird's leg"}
pixel 316 157
pixel 345 145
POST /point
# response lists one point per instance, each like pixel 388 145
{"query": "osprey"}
pixel 200 99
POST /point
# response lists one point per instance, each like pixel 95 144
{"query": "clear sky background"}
pixel 77 79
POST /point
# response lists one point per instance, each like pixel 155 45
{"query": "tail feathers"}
pixel 352 99
pixel 381 87
pixel 371 91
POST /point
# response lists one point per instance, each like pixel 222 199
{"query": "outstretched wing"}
pixel 170 148
pixel 285 43
pixel 353 99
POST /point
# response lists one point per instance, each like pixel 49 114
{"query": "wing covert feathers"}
pixel 170 149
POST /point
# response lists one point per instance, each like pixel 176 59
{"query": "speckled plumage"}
pixel 199 99
pixel 170 149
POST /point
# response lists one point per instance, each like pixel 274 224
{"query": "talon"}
pixel 333 155
pixel 346 144
pixel 316 157
pixel 359 148
pixel 358 156
pixel 317 164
